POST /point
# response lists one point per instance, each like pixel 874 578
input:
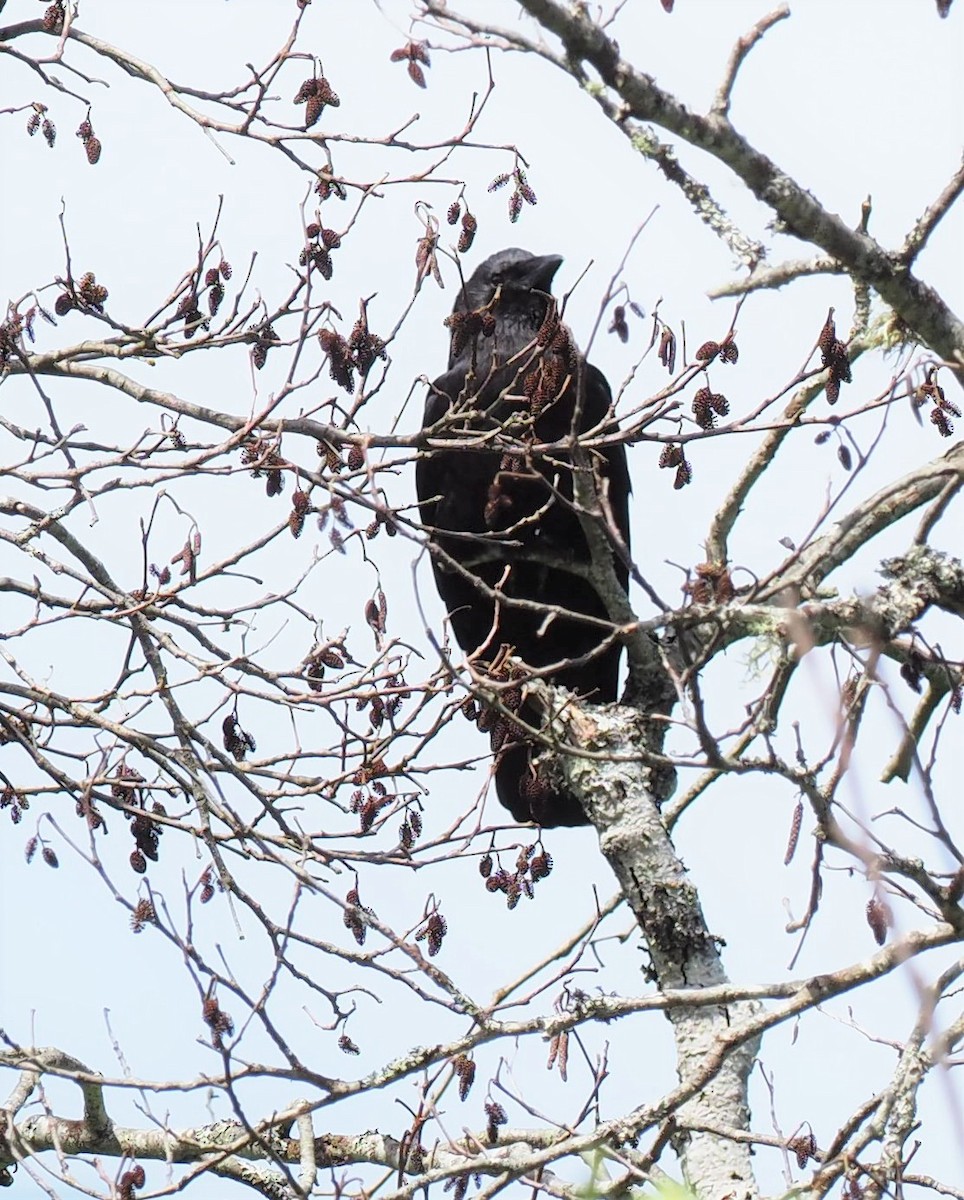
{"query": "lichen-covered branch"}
pixel 629 96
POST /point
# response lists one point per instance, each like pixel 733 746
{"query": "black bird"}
pixel 500 513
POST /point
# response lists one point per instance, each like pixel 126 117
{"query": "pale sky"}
pixel 851 99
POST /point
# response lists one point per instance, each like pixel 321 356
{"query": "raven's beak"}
pixel 541 272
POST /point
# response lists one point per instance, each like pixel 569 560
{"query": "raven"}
pixel 499 512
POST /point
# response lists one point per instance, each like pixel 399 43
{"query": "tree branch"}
pixel 918 305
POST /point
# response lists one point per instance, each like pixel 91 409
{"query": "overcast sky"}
pixel 852 99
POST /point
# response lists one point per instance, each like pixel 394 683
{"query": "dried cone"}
pixel 878 918
pixel 326 94
pixel 804 1146
pixel 671 456
pixel 313 110
pixel 827 339
pixel 467 236
pixel 684 475
pixel 53 18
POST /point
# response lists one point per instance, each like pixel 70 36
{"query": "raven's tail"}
pixel 526 794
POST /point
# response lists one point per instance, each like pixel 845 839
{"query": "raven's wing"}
pixel 453 490
pixel 451 485
pixel 598 404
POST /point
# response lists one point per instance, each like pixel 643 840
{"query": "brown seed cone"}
pixel 729 352
pixel 53 18
pixel 313 110
pixel 671 456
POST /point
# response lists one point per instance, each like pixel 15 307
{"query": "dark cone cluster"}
pixel 464 1068
pixel 726 351
pixel 53 18
pixel 316 95
pixel 263 458
pixel 129 1180
pixel 365 347
pixel 673 455
pixel 92 144
pixel 707 406
pixel 327 185
pixel 521 191
pixel 86 293
pixel 495 1116
pixel 316 252
pixel 433 933
pixel 532 865
pixel 834 358
pixel 217 1021
pixel 467 235
pixel 264 338
pixel 465 326
pixel 237 741
pixel 355 916
pixel 942 409
pixel 712 584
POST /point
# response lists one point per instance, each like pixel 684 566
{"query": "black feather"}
pixel 492 509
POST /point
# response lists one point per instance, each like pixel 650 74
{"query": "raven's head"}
pixel 516 271
pixel 522 283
